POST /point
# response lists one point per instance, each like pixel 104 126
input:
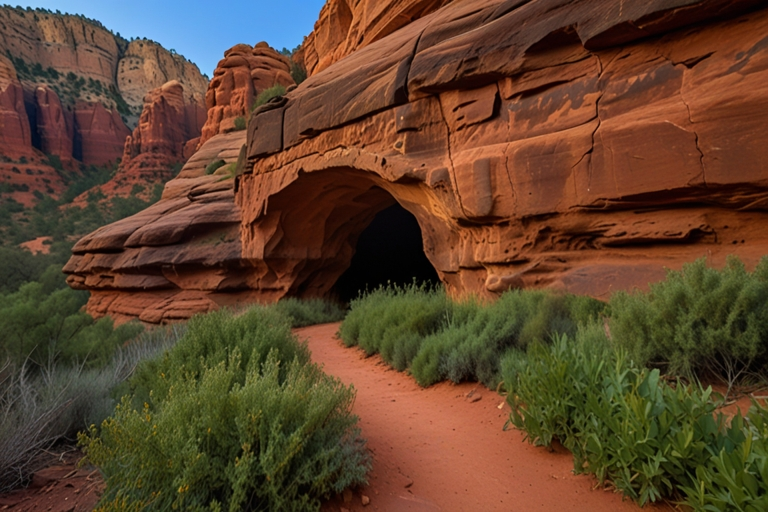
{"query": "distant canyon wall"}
pixel 80 88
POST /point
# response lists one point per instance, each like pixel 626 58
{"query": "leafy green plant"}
pixel 214 166
pixel 236 418
pixel 267 94
pixel 240 123
pixel 303 312
pixel 625 424
pixel 736 476
pixel 699 322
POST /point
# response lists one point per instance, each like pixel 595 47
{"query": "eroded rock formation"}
pixel 14 124
pixel 583 146
pixel 76 89
pixel 345 26
pixel 169 121
pixel 237 81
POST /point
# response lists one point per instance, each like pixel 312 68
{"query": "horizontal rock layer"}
pixel 582 146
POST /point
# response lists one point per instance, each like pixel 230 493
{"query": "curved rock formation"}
pixel 178 257
pixel 583 146
pixel 343 28
pixel 237 81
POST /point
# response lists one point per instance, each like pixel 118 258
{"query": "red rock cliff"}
pixel 345 26
pixel 237 81
pixel 14 124
pixel 169 121
pixel 582 146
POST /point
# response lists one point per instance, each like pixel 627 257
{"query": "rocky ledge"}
pixel 581 146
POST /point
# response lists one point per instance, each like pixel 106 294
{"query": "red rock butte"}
pixel 576 145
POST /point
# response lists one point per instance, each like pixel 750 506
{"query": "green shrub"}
pixel 267 94
pixel 236 419
pixel 39 408
pixel 736 477
pixel 475 336
pixel 213 166
pixel 622 423
pixel 303 312
pixel 439 339
pixel 298 73
pixel 393 321
pixel 240 123
pixel 699 322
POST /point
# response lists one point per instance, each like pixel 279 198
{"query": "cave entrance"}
pixel 389 250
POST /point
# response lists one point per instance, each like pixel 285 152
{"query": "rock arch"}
pixel 301 238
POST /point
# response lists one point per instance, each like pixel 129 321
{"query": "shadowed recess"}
pixel 389 250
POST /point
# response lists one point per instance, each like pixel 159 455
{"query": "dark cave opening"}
pixel 389 250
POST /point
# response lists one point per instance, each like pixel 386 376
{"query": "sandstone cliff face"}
pixel 79 88
pixel 345 26
pixel 146 65
pixel 237 81
pixel 581 146
pixel 168 122
pixel 14 124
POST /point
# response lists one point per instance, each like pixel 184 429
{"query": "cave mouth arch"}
pixel 390 250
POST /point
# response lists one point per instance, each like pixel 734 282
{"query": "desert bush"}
pixel 422 330
pixel 43 321
pixel 213 166
pixel 298 73
pixel 303 312
pixel 267 94
pixel 240 123
pixel 699 322
pixel 236 419
pixel 624 424
pixel 393 321
pixel 475 336
pixel 39 408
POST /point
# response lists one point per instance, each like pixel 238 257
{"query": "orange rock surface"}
pixel 237 81
pixel 343 28
pixel 571 145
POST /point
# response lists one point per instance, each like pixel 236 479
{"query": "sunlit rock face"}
pixel 580 146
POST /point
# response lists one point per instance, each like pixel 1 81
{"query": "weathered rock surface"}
pixel 344 27
pixel 237 81
pixel 14 124
pixel 179 257
pixel 55 126
pixel 169 121
pixel 581 146
pixel 76 89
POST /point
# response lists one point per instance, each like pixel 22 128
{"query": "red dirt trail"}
pixel 437 449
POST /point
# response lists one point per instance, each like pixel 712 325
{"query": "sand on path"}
pixel 439 449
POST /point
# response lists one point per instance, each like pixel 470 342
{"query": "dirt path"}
pixel 439 449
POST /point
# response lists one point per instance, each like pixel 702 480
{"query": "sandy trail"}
pixel 437 449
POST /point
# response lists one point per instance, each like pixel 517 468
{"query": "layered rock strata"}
pixel 344 27
pixel 581 146
pixel 169 121
pixel 237 81
pixel 178 257
pixel 76 90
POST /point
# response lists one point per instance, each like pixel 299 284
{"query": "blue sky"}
pixel 201 31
